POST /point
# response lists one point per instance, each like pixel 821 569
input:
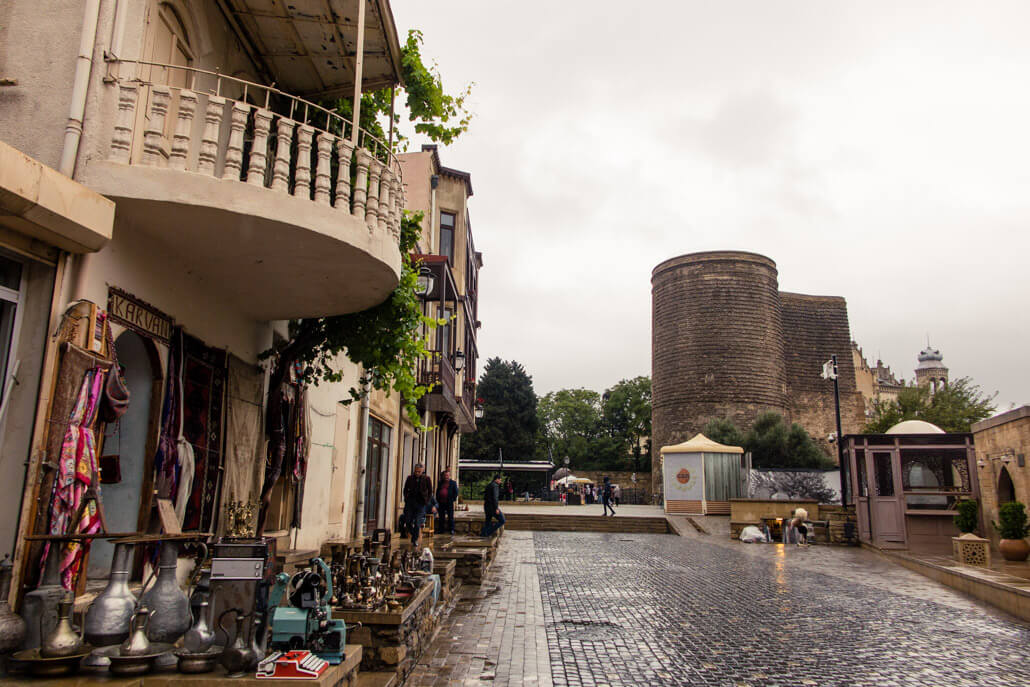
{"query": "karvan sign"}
pixel 138 315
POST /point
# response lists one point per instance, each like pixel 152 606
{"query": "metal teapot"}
pixel 12 627
pixel 63 641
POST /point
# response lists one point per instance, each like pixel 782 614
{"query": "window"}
pixel 377 463
pixel 10 298
pixel 447 225
pixel 882 464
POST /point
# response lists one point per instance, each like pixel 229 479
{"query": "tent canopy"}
pixel 572 479
pixel 701 444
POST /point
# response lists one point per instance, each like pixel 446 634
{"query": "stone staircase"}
pixel 546 522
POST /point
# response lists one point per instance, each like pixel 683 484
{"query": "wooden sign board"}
pixel 169 521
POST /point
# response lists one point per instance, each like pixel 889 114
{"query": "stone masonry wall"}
pixel 996 439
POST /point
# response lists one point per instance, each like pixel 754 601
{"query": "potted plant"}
pixel 967 518
pixel 1013 530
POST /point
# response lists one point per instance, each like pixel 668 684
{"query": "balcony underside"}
pixel 276 256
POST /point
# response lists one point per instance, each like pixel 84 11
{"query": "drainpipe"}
pixel 359 515
pixel 76 114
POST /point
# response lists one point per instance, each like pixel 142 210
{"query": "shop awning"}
pixel 701 444
pixel 309 46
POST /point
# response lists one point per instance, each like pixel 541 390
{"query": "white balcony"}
pixel 244 183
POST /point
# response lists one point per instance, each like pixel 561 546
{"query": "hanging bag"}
pixel 115 399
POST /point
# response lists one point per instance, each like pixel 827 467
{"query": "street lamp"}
pixel 566 461
pixel 425 282
pixel 459 361
pixel 479 410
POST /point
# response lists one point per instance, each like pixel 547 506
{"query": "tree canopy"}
pixel 626 412
pixel 954 408
pixel 772 443
pixel 509 419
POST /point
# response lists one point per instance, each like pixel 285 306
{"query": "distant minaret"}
pixel 931 371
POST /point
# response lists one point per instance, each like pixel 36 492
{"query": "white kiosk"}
pixel 700 476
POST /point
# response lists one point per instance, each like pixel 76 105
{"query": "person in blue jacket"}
pixel 446 497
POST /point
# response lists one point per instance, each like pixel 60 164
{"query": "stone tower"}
pixel 931 371
pixel 717 344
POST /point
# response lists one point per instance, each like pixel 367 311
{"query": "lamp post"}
pixel 425 281
pixel 830 372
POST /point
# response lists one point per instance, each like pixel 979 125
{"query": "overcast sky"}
pixel 876 152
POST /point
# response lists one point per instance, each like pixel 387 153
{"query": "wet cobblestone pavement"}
pixel 625 609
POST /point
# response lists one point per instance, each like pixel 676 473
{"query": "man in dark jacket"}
pixel 418 498
pixel 492 508
pixel 446 496
pixel 606 496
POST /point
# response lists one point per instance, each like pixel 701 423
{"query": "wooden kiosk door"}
pixel 860 489
pixel 886 496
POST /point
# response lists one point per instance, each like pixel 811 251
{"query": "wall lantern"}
pixel 480 411
pixel 425 282
pixel 459 361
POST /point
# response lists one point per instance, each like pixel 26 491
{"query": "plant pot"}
pixel 1014 549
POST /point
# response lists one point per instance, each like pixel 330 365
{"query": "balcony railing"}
pixel 437 373
pixel 258 135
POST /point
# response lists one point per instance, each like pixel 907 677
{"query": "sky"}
pixel 877 151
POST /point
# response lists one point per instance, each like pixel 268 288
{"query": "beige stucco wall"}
pixel 999 442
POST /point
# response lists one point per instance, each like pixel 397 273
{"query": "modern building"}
pixel 233 213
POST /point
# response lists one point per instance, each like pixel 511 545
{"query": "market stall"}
pixel 701 476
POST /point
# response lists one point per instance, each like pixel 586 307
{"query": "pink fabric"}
pixel 76 471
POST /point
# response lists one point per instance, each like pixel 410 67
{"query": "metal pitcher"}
pixel 110 614
pixel 63 641
pixel 12 627
pixel 137 644
pixel 40 605
pixel 240 657
pixel 171 617
pixel 199 638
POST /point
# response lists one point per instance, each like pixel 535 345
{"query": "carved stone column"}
pixel 183 130
pixel 259 151
pixel 385 208
pixel 234 148
pixel 322 173
pixel 361 183
pixel 281 168
pixel 375 171
pixel 302 176
pixel 121 139
pixel 208 154
pixel 161 96
pixel 344 153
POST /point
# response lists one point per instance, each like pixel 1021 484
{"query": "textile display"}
pixel 203 393
pixel 166 461
pixel 77 471
pixel 243 431
pixel 287 428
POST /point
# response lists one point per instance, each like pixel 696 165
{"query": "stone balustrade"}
pixel 233 140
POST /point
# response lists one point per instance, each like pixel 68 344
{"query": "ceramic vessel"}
pixel 109 616
pixel 1014 549
pixel 171 606
pixel 63 641
pixel 12 627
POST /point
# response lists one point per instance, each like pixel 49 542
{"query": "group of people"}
pixel 420 500
pixel 607 494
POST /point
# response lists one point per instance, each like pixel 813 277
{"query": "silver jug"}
pixel 12 627
pixel 137 644
pixel 239 657
pixel 171 617
pixel 40 605
pixel 199 638
pixel 109 616
pixel 63 641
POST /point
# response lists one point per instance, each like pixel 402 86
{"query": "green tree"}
pixel 509 419
pixel 570 425
pixel 724 431
pixel 626 414
pixel 953 409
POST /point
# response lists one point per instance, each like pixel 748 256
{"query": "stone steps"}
pixel 578 523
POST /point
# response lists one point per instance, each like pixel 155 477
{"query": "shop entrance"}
pixel 123 460
pixel 376 466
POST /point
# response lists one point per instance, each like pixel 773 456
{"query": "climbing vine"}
pixel 387 340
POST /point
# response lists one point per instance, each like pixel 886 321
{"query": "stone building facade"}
pixel 1002 443
pixel 727 343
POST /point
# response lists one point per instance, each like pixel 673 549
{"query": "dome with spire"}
pixel 930 358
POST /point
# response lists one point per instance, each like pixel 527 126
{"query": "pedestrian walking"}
pixel 617 494
pixel 492 507
pixel 418 499
pixel 606 496
pixel 446 496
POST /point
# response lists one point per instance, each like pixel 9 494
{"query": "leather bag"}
pixel 116 394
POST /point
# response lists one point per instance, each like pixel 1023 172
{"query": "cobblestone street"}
pixel 593 609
